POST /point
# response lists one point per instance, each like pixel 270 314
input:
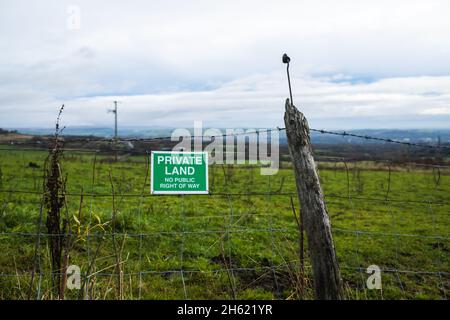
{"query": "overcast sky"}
pixel 355 64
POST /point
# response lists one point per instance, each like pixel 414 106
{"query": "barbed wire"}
pixel 388 140
pixel 70 139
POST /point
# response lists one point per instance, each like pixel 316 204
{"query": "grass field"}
pixel 242 241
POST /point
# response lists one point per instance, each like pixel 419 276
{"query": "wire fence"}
pixel 240 241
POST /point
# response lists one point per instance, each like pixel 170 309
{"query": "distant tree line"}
pixel 4 131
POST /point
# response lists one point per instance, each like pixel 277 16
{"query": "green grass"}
pixel 256 234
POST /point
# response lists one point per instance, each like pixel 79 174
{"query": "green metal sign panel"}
pixel 176 172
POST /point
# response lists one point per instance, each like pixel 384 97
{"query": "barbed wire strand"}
pixel 244 133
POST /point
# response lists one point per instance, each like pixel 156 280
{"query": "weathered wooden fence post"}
pixel 327 278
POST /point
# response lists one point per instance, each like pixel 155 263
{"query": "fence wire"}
pixel 240 241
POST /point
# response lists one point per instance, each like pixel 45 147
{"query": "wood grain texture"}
pixel 327 279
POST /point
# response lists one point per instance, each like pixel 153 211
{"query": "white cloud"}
pixel 172 62
pixel 256 101
pixel 437 111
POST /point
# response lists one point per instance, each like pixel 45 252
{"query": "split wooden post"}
pixel 327 278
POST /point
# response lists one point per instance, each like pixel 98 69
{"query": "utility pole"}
pixel 115 127
pixel 115 120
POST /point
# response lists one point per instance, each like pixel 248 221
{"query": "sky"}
pixel 354 64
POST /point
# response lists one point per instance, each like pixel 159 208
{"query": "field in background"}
pixel 242 241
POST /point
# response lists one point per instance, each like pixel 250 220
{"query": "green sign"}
pixel 176 172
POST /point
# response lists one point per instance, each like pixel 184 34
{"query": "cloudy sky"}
pixel 355 64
